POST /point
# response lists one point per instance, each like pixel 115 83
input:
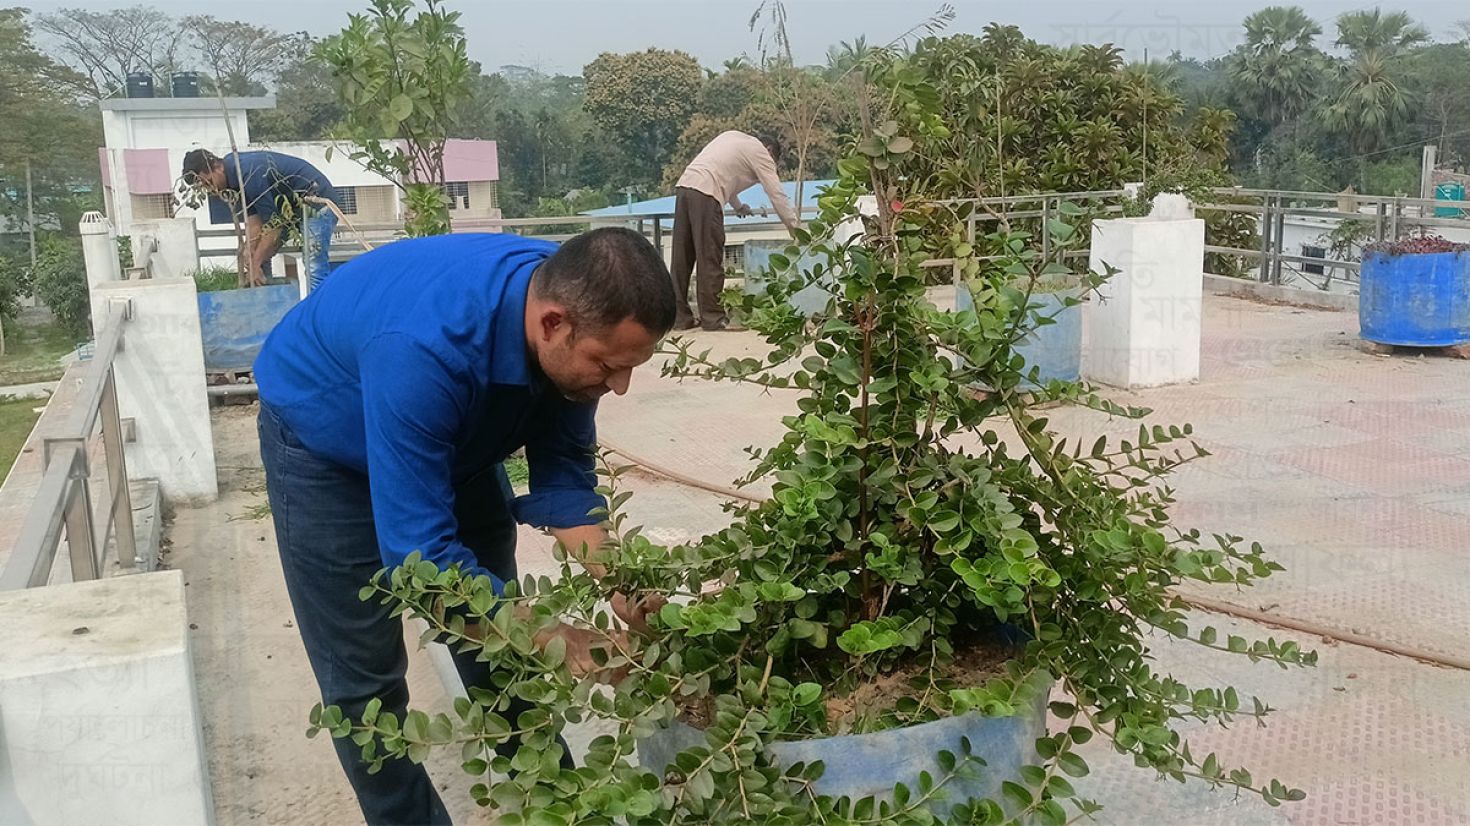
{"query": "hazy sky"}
pixel 564 35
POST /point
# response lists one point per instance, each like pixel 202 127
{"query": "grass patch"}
pixel 33 352
pixel 216 279
pixel 254 513
pixel 518 471
pixel 17 417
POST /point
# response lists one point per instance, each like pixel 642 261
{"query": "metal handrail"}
pixel 63 500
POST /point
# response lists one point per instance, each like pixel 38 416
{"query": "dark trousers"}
pixel 699 246
pixel 329 551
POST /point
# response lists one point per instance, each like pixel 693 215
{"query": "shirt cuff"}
pixel 558 509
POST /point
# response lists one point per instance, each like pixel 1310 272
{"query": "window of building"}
pixel 459 194
pixel 347 199
pixel 153 207
pixel 735 257
pixel 1312 251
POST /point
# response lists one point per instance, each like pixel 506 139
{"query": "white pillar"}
pixel 98 705
pixel 1144 328
pixel 160 385
pixel 168 247
pixel 99 249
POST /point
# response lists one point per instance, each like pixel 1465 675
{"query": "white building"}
pixel 146 140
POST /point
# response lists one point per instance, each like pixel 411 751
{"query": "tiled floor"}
pixel 1353 469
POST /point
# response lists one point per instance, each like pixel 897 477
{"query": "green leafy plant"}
pixel 216 279
pixel 913 524
pixel 15 283
pixel 59 279
pixel 401 81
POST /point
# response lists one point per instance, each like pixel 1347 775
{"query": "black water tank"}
pixel 140 85
pixel 186 84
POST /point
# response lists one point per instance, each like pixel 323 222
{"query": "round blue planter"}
pixel 1055 349
pixel 863 765
pixel 1415 300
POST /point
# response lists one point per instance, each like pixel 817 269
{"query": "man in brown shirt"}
pixel 727 166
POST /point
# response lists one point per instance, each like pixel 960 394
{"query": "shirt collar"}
pixel 510 359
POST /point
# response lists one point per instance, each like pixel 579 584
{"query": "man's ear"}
pixel 553 320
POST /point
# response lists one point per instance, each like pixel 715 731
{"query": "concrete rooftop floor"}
pixel 1353 469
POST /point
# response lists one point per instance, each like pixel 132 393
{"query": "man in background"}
pixel 280 192
pixel 727 166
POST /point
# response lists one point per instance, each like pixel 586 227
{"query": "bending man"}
pixel 388 403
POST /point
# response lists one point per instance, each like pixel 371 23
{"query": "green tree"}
pixel 242 57
pixel 643 100
pixel 59 279
pixel 1276 70
pixel 106 46
pixel 43 129
pixel 307 105
pixel 1440 73
pixel 846 58
pixel 1374 31
pixel 488 95
pixel 403 78
pixel 1371 102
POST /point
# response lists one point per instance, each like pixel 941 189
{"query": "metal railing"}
pixel 62 506
pixel 348 240
pixel 1390 219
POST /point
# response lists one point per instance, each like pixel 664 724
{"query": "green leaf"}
pixel 555 652
pixel 806 694
pixel 1073 765
pixel 400 107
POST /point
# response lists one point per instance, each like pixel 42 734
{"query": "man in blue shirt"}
pixel 280 191
pixel 387 404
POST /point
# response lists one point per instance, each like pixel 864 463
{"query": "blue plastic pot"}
pixel 809 300
pixel 1418 300
pixel 1054 349
pixel 235 323
pixel 863 765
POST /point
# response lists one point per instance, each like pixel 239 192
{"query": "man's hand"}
pixel 582 544
pixel 634 611
pixel 580 644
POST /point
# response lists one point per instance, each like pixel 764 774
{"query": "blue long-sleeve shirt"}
pixel 410 364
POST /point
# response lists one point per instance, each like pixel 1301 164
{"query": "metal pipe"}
pixel 119 494
pixel 34 551
pixel 1201 603
pixel 226 390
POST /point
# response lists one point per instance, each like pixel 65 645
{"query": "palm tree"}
pixel 1369 102
pixel 1277 68
pixel 1374 31
pixel 845 56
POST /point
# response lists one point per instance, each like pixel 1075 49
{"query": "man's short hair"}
pixel 198 162
pixel 772 143
pixel 605 276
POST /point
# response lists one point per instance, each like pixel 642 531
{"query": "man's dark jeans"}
pixel 329 550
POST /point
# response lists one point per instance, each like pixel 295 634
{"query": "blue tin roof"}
pixel 755 198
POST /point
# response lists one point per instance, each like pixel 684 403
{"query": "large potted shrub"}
pixel 934 567
pixel 1415 293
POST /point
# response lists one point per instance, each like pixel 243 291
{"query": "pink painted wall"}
pixel 471 160
pixel 148 171
pixel 104 165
